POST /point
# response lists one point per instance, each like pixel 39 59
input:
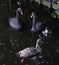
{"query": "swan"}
pixel 15 22
pixel 29 51
pixel 36 26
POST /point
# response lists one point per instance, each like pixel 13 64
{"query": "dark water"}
pixel 11 41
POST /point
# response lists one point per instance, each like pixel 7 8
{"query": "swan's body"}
pixel 15 22
pixel 29 51
pixel 36 26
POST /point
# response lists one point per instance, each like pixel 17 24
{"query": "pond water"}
pixel 11 41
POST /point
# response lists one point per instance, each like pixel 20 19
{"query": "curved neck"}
pixel 33 23
pixel 37 45
pixel 19 10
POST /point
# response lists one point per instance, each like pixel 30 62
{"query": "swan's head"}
pixel 18 54
pixel 33 14
pixel 21 54
pixel 21 12
pixel 18 3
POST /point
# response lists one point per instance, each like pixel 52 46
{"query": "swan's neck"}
pixel 34 24
pixel 34 18
pixel 17 12
pixel 37 45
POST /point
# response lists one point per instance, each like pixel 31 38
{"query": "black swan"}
pixel 36 26
pixel 15 22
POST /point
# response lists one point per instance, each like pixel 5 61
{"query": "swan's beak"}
pixel 31 16
pixel 21 12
